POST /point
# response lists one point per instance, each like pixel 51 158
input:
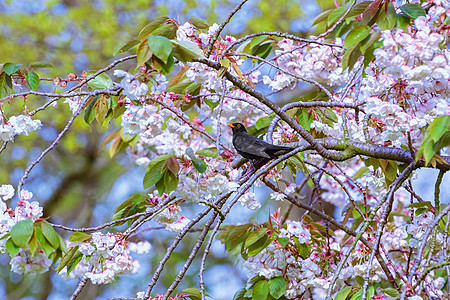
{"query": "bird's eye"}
pixel 239 125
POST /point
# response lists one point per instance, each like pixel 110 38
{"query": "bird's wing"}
pixel 252 145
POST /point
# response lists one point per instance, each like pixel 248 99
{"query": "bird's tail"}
pixel 277 151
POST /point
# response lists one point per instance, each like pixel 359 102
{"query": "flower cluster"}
pixel 23 262
pixel 408 82
pixel 133 89
pixel 172 219
pixel 106 256
pixel 277 260
pixel 16 125
pixel 311 62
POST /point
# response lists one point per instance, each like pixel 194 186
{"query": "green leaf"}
pixel 70 260
pixel 160 186
pixel 193 293
pixel 304 118
pixel 211 103
pixel 10 68
pixel 350 57
pixel 283 241
pixel 21 233
pixel 343 293
pixel 45 245
pixel 12 248
pixel 420 211
pixel 403 21
pixel 6 87
pixel 89 113
pixel 185 86
pixel 150 27
pixel 263 122
pixel 356 35
pixel 257 247
pixel 32 79
pixel 79 237
pixel 258 40
pixel 154 172
pixel 439 127
pixel 65 259
pixel 387 20
pixel 164 68
pixel 160 46
pixel 413 10
pixel 255 236
pixel 263 50
pixel 426 204
pixel 357 295
pixel 240 294
pixel 370 292
pixel 199 23
pixel 391 292
pixel 323 16
pixel 168 30
pixel 74 261
pixel 277 287
pixel 33 245
pixel 336 14
pixel 186 51
pixel 360 173
pixel 170 182
pixel 101 109
pixel 368 42
pixel 50 234
pixel 357 9
pixel 299 164
pixel 100 82
pixel 260 290
pixel 131 44
pixel 303 250
pixel 62 244
pixel 198 163
pixel 40 65
pixel 224 63
pixel 210 152
pixel 143 53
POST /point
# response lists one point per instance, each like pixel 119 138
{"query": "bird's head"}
pixel 237 127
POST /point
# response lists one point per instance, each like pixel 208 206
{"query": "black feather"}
pixel 253 148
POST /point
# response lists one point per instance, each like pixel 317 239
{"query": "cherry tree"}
pixel 377 110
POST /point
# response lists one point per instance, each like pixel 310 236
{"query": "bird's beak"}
pixel 230 125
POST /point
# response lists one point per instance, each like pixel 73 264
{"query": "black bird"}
pixel 254 149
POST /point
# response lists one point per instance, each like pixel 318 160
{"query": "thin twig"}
pixel 60 135
pixel 289 106
pixel 222 26
pixel 112 223
pixel 279 34
pixel 332 221
pixel 366 224
pixel 191 257
pixel 331 29
pixel 109 67
pixel 79 288
pixel 298 77
pixel 382 222
pixel 421 249
pixel 189 123
pixel 3 146
pixel 277 110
